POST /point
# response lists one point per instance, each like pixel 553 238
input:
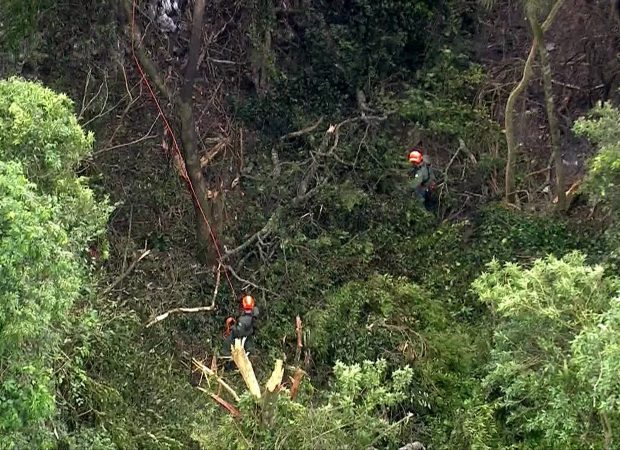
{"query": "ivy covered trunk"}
pixel 549 103
pixel 511 140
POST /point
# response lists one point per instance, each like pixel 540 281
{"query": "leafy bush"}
pixel 39 279
pixel 603 177
pixel 115 389
pixel 543 384
pixel 601 127
pixel 38 129
pixel 354 413
pixel 368 320
pixel 47 215
pixel 444 101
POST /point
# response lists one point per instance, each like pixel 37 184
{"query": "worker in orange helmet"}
pixel 423 177
pixel 243 327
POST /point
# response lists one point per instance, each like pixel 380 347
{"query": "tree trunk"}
pixel 511 141
pixel 206 221
pixel 554 128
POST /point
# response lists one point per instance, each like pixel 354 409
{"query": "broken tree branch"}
pixel 306 130
pixel 268 228
pixel 223 403
pixel 295 382
pixel 197 309
pixel 276 377
pixel 177 311
pixel 271 393
pixel 210 373
pixel 247 282
pixel 245 368
pixel 303 193
pixel 298 330
pixel 126 273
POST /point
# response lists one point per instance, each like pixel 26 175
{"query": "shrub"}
pixel 39 279
pixel 353 413
pixel 543 383
pixel 47 216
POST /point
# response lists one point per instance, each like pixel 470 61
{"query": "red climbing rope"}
pixel 175 146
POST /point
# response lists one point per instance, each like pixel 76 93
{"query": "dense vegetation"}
pixel 488 322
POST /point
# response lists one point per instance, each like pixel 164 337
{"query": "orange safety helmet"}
pixel 415 157
pixel 247 303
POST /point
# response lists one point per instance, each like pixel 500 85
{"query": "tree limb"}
pixel 179 310
pixel 244 365
pixel 298 331
pixel 147 136
pixel 151 70
pixel 295 382
pixel 303 131
pixel 276 377
pixel 227 406
pixel 511 102
pixel 211 307
pixel 268 228
pixel 208 372
pixel 127 272
pixel 234 274
pixel 194 51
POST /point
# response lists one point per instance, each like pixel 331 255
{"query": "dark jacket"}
pixel 244 328
pixel 245 325
pixel 423 179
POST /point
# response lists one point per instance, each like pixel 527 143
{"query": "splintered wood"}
pixel 210 373
pixel 245 368
pixel 295 382
pixel 276 377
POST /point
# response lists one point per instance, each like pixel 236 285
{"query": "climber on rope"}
pixel 423 178
pixel 243 327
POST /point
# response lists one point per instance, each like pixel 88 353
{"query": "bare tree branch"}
pixel 268 228
pixel 303 193
pixel 126 273
pixel 151 70
pixel 306 130
pixel 208 372
pixel 242 280
pixel 197 309
pixel 146 137
pixel 179 310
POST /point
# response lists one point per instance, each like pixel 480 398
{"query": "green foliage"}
pixel 46 216
pixel 596 354
pixel 38 128
pixel 603 177
pixel 460 251
pixel 39 279
pixel 372 319
pixel 118 390
pixel 601 127
pixel 337 48
pixel 472 425
pixel 543 383
pixel 371 39
pixel 442 101
pixel 356 411
pixel 24 17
